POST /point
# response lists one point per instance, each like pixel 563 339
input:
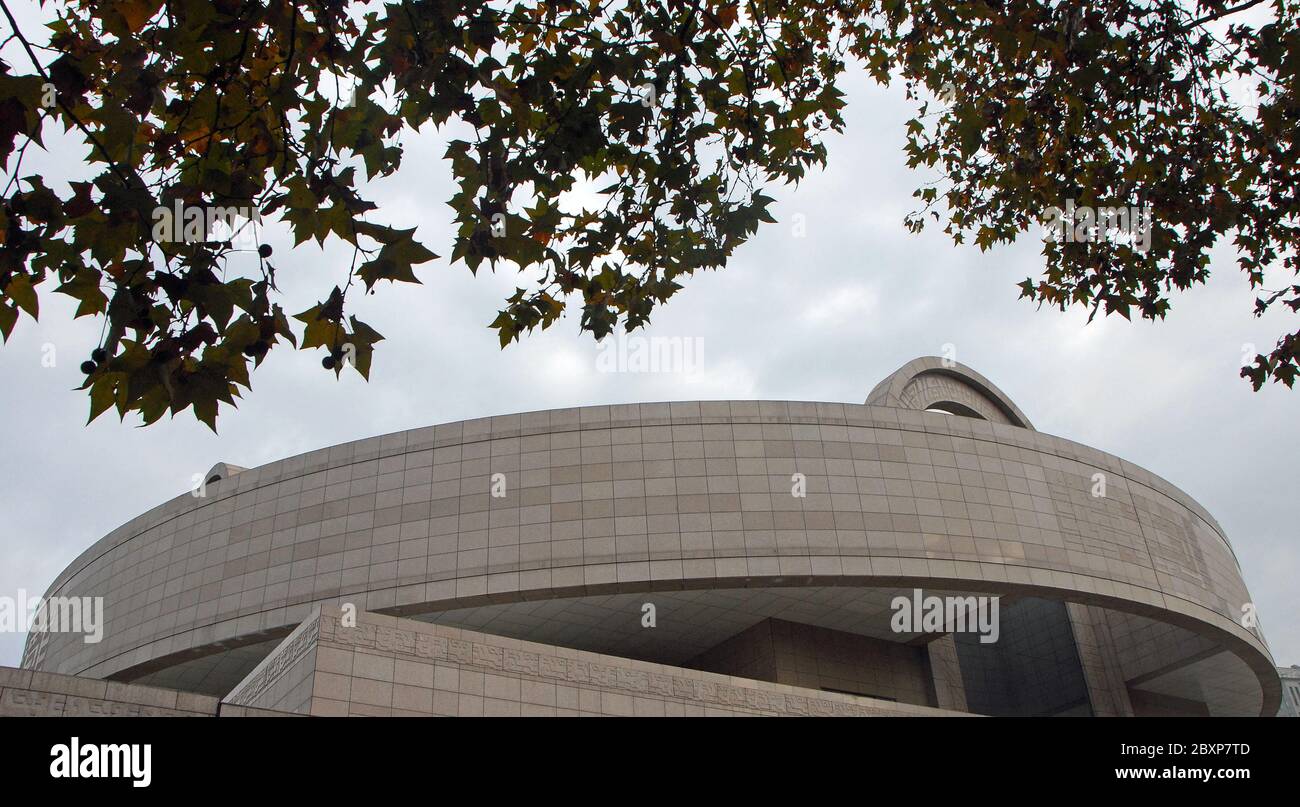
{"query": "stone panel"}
pixel 641 497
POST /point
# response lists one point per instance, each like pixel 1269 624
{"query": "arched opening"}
pixel 954 408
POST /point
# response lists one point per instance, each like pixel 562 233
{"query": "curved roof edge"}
pixel 222 470
pixel 889 392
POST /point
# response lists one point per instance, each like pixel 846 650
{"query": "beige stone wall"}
pixel 945 674
pixel 925 391
pixel 651 496
pixel 24 693
pixel 385 666
pixel 1099 657
pixel 284 680
pixel 820 658
pixel 749 654
pixel 823 659
pixel 1153 704
pixel 928 380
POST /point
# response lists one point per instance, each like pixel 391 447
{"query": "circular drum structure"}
pixel 1119 593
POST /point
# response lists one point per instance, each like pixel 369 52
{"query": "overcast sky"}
pixel 818 318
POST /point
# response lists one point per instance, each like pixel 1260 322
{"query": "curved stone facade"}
pixel 605 506
pixel 933 383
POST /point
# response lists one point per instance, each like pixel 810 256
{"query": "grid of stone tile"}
pixel 898 388
pixel 1099 658
pixel 928 389
pixel 747 654
pixel 1145 646
pixel 945 672
pixel 28 693
pixel 386 666
pixel 640 495
pixel 819 658
pixel 283 680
